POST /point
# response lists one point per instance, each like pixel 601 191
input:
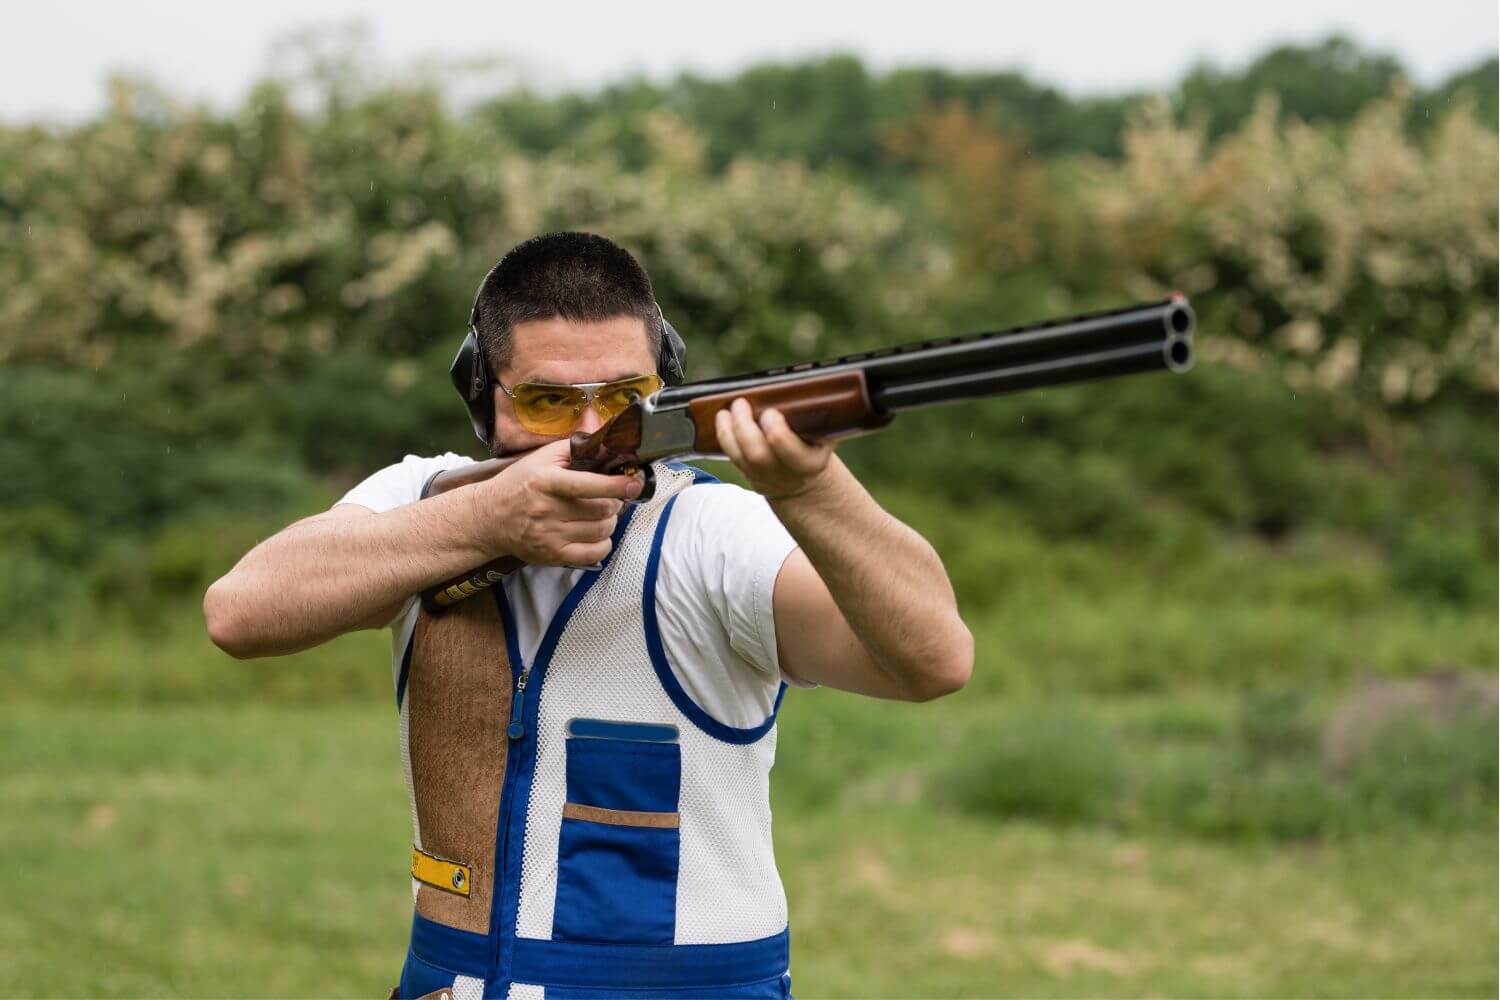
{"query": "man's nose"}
pixel 590 421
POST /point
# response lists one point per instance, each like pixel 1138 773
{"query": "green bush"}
pixel 1181 769
pixel 355 411
pixel 125 451
pixel 1276 726
pixel 1054 764
pixel 1179 721
pixel 1227 795
pixel 1418 772
pixel 37 594
pixel 53 532
pixel 1445 566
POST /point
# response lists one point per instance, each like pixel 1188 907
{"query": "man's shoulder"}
pixel 445 460
pixel 402 482
pixel 427 466
pixel 412 465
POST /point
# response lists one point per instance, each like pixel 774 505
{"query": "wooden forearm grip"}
pixel 816 408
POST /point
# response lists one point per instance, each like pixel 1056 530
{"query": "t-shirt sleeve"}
pixel 399 484
pixel 734 547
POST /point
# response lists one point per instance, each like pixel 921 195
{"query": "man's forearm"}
pixel 886 579
pixel 324 576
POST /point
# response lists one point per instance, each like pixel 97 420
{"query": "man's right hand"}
pixel 546 514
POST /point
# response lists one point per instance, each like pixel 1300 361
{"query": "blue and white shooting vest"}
pixel 581 827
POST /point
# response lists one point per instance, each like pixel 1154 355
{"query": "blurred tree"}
pixel 1479 87
pixel 1329 82
pixel 823 112
pixel 993 194
pixel 199 309
pixel 831 111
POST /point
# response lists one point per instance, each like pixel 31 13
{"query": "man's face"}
pixel 563 352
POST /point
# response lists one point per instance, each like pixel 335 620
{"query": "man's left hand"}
pixel 775 460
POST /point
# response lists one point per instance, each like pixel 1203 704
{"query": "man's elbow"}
pixel 226 628
pixel 949 668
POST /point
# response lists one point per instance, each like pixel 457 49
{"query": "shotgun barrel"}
pixel 1096 345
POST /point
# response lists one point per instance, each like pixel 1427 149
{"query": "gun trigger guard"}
pixel 648 481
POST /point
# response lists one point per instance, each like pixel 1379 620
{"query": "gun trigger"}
pixel 648 482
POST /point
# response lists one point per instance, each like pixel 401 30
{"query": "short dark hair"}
pixel 578 276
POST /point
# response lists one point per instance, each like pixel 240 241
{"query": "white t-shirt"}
pixel 719 558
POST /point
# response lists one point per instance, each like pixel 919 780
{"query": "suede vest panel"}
pixel 458 696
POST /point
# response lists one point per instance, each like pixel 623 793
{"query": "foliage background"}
pixel 1184 590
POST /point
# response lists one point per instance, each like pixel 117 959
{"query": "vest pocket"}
pixel 617 851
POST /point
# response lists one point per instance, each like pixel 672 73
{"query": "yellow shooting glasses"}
pixel 556 409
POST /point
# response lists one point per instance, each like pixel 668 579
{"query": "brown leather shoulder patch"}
pixel 458 698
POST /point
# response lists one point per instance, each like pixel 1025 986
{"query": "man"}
pixel 588 745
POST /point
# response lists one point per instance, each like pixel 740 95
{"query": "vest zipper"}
pixel 517 728
pixel 516 733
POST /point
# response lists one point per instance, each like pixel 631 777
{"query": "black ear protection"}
pixel 472 378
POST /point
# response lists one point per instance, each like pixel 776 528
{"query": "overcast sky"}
pixel 54 56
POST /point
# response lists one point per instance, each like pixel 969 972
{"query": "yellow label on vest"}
pixel 440 873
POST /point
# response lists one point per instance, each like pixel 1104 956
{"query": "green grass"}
pixel 1126 800
pixel 204 851
pixel 899 904
pixel 213 850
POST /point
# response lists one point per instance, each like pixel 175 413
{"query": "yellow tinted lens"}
pixel 616 396
pixel 548 409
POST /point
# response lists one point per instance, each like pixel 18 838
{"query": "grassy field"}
pixel 1135 804
pixel 212 850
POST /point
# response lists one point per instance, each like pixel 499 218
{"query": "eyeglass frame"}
pixel 590 389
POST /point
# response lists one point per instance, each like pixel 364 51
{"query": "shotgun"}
pixel 853 395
